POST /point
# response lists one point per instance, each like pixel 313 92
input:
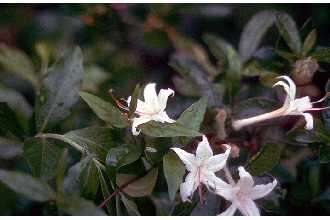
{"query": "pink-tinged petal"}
pixel 248 207
pixel 230 211
pixel 188 187
pixel 150 95
pixel 245 183
pixel 187 158
pixel 217 162
pixel 260 191
pixel 292 86
pixel 309 121
pixel 137 122
pixel 163 96
pixel 303 104
pixel 219 187
pixel 204 150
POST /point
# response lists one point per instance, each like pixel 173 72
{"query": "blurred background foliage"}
pixel 228 53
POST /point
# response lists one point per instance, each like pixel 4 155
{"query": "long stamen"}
pixel 118 103
pixel 318 109
pixel 322 99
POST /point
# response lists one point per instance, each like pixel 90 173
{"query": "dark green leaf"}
pixel 184 209
pixel 94 140
pixel 322 54
pixel 253 32
pixel 193 116
pixel 288 29
pixel 42 156
pixel 10 126
pixel 324 154
pixel 78 206
pixel 60 172
pixel 141 187
pixel 133 103
pixel 265 159
pixel 89 180
pixel 59 91
pixel 17 62
pixel 174 172
pixel 104 188
pixel 130 205
pixel 105 110
pixel 72 180
pixel 309 42
pixel 123 155
pixel 157 129
pixel 26 185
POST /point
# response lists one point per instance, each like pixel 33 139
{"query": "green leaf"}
pixel 89 180
pixel 17 62
pixel 141 187
pixel 253 33
pixel 123 155
pixel 104 188
pixel 60 172
pixel 157 129
pixel 288 29
pixel 130 205
pixel 265 159
pixel 309 42
pixel 59 91
pixel 10 126
pixel 72 181
pixel 193 116
pixel 73 205
pixel 94 140
pixel 42 156
pixel 174 172
pixel 221 49
pixel 322 54
pixel 26 185
pixel 104 110
pixel 324 154
pixel 133 103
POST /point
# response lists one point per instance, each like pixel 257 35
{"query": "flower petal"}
pixel 187 158
pixel 309 121
pixel 292 85
pixel 303 104
pixel 137 122
pixel 162 117
pixel 163 96
pixel 245 182
pixel 218 186
pixel 204 151
pixel 260 191
pixel 217 162
pixel 150 95
pixel 230 211
pixel 188 187
pixel 248 207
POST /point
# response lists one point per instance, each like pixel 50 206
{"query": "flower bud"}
pixel 304 70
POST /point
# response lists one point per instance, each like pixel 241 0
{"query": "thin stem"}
pixel 238 124
pixel 61 138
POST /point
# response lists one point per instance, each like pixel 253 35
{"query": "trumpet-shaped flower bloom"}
pixel 243 193
pixel 202 168
pixel 152 108
pixel 291 106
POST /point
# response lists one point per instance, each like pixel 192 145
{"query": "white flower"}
pixel 291 106
pixel 243 194
pixel 201 167
pixel 152 108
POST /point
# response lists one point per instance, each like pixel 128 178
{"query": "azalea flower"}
pixel 201 167
pixel 243 193
pixel 291 106
pixel 152 108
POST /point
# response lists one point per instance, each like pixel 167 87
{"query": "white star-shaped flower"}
pixel 152 108
pixel 201 167
pixel 291 106
pixel 243 193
